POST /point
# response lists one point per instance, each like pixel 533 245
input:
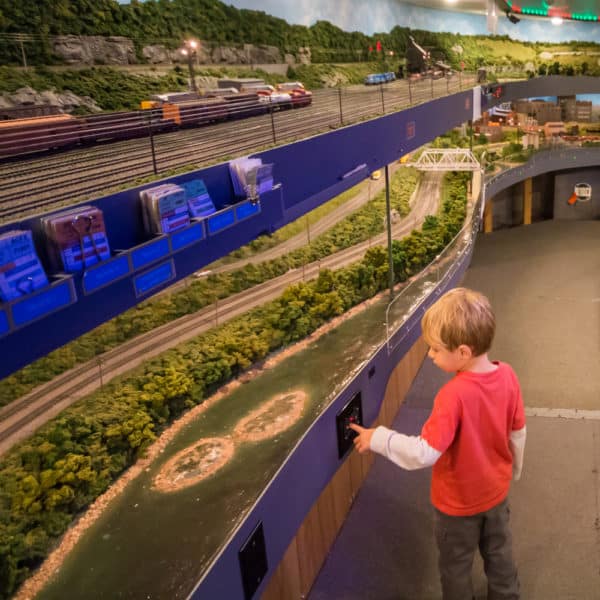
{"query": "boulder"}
pixel 203 54
pixel 228 55
pixel 156 54
pixel 69 101
pixel 264 54
pixel 24 96
pixel 94 49
pixel 65 101
pixel 304 55
pixel 50 98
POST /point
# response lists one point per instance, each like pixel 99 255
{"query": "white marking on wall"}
pixel 563 413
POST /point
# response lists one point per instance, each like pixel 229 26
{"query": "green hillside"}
pixel 215 23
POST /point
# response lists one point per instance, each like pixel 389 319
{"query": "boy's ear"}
pixel 465 351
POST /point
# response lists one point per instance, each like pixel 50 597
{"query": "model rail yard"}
pixel 165 112
pixel 44 182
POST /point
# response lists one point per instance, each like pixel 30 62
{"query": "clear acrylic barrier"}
pixel 411 299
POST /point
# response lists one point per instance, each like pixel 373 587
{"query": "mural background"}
pixel 383 15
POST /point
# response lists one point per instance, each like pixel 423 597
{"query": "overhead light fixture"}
pixel 512 17
pixel 556 20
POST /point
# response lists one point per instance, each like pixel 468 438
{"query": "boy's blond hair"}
pixel 460 316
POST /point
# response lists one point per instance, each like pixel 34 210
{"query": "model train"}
pixel 163 113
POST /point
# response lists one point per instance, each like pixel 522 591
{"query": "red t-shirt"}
pixel 470 424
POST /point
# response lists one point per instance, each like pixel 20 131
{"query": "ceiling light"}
pixel 556 20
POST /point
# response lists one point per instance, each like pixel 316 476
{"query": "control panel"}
pixel 350 414
pixel 253 561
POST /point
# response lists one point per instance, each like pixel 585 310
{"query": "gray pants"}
pixel 458 537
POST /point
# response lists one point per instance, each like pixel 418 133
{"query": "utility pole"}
pixel 307 231
pixel 23 52
pixel 100 362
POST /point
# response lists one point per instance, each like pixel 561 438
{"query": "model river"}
pixel 157 538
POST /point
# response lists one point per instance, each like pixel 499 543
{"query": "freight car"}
pixel 244 104
pixel 34 134
pixel 111 127
pixel 20 137
pixel 195 112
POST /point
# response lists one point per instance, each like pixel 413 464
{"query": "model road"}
pixel 22 417
pixel 45 183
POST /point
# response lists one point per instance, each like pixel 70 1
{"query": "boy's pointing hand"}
pixel 362 442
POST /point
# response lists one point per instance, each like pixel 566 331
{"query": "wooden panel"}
pixel 400 382
pixel 326 513
pixel 311 549
pixel 527 196
pixel 368 458
pixel 285 582
pixel 488 216
pixel 386 414
pixel 341 485
pixel 356 472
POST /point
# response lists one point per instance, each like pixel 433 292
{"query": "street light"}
pixel 188 50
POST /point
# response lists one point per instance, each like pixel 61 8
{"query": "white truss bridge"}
pixel 446 159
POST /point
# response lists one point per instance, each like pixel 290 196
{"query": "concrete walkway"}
pixel 544 282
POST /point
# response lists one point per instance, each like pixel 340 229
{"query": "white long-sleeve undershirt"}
pixel 413 452
pixel 407 451
pixel 517 448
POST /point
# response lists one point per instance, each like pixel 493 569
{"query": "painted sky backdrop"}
pixel 382 15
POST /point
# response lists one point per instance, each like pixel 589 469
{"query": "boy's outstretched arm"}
pixel 517 448
pixel 407 451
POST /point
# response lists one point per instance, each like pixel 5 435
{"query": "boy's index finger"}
pixel 356 427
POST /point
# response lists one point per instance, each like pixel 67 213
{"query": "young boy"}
pixel 475 440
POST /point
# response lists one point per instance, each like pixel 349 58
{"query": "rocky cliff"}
pixel 114 50
pixel 60 102
pixel 90 50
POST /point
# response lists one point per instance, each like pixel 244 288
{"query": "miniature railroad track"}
pixel 39 184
